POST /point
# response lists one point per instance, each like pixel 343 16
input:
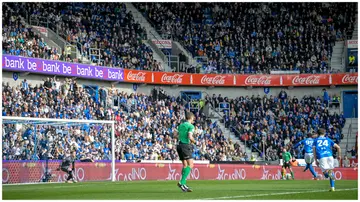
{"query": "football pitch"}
pixel 205 190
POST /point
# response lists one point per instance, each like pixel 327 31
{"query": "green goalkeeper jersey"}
pixel 286 156
pixel 184 130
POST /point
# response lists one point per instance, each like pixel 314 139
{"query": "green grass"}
pixel 160 190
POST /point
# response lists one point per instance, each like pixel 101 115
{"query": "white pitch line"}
pixel 32 183
pixel 50 187
pixel 273 194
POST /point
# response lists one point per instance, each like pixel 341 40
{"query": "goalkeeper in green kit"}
pixel 286 164
pixel 185 149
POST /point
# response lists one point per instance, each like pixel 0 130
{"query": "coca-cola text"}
pixel 306 80
pixel 213 80
pixel 258 80
pixel 140 76
pixel 176 78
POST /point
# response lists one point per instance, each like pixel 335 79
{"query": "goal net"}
pixel 33 149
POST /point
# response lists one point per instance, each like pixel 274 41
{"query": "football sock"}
pixel 70 175
pixel 307 167
pixel 185 175
pixel 182 174
pixel 283 172
pixel 312 170
pixel 332 183
pixel 326 175
pixel 292 175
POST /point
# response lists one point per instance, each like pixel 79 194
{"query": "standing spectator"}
pixel 326 97
pixel 25 85
pixel 351 59
pixel 283 95
pixel 103 96
pixel 47 84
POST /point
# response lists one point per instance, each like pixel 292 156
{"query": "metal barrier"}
pixel 349 131
pixel 338 109
pixel 52 29
pixel 57 35
pixel 227 107
pixel 71 50
pixel 202 60
pixel 182 67
pixel 39 21
pixel 165 36
pixel 194 105
pixel 174 63
pixel 166 58
pixel 96 53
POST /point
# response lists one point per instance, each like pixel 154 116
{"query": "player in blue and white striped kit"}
pixel 309 155
pixel 322 149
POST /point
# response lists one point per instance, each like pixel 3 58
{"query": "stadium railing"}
pixel 217 111
pixel 349 134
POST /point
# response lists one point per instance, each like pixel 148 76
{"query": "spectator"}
pixel 283 95
pixel 326 97
pixel 335 101
pixel 142 132
pixel 351 59
pixel 294 162
pixel 352 152
pixel 23 41
pixel 106 28
pixel 346 162
pixel 103 96
pixel 263 41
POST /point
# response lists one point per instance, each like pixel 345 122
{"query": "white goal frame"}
pixel 76 121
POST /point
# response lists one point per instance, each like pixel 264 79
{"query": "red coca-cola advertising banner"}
pixel 170 78
pixel 51 67
pixel 14 172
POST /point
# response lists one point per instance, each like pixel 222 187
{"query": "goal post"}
pixel 34 147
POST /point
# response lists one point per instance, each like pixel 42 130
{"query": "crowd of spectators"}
pixel 351 153
pixel 271 123
pixel 269 36
pixel 144 125
pixel 20 40
pixel 93 27
pixel 41 141
pixel 256 37
pixel 279 36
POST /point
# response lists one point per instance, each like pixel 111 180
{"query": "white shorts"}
pixel 326 163
pixel 309 158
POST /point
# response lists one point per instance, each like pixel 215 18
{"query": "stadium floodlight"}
pixel 50 140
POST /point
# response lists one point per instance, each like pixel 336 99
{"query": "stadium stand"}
pixel 144 125
pixel 104 26
pixel 271 37
pixel 17 39
pixel 279 121
pixel 278 36
pixel 256 37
